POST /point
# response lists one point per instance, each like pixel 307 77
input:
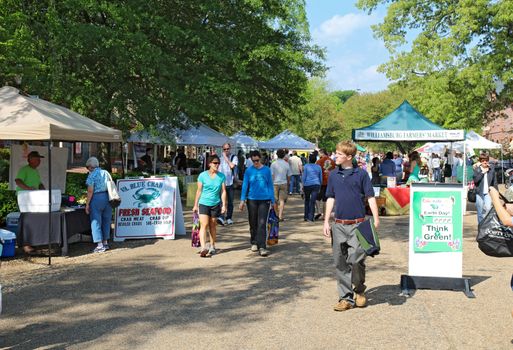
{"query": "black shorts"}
pixel 212 211
pixel 322 194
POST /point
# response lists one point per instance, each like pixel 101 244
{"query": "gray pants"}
pixel 349 259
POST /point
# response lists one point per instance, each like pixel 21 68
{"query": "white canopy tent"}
pixel 244 141
pixel 200 135
pixel 288 139
pixel 25 118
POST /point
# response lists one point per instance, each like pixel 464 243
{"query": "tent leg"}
pixel 50 202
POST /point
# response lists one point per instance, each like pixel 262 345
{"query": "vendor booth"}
pixel 25 118
pixel 436 215
pixel 289 140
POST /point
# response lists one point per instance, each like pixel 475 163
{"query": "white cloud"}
pixel 340 27
pixel 349 74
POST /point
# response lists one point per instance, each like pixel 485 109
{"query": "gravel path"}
pixel 156 294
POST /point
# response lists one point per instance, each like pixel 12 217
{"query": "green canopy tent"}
pixel 406 124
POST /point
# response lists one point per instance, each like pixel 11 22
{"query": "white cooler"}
pixel 37 201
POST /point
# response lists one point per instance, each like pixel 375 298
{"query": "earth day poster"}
pixel 437 221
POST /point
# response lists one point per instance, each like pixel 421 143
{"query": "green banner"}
pixel 437 221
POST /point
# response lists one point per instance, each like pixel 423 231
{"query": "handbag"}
pixel 494 238
pixel 273 227
pixel 114 198
pixel 195 238
pixel 471 194
pixel 368 237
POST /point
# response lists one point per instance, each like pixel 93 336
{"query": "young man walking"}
pixel 347 186
pixel 228 165
pixel 280 171
pixel 296 169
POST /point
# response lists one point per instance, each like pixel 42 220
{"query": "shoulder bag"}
pixel 114 198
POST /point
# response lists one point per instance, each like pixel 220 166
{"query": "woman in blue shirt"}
pixel 97 204
pixel 210 202
pixel 312 180
pixel 258 192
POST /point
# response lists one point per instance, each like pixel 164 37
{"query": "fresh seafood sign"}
pixel 437 226
pixel 148 208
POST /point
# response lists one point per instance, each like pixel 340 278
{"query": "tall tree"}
pixel 461 49
pixel 154 62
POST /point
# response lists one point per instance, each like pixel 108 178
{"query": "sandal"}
pixel 204 253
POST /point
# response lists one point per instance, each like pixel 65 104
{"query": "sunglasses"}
pixel 226 149
pixel 255 160
pixel 216 163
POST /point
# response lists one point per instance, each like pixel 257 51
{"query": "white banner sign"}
pixel 409 135
pixel 149 208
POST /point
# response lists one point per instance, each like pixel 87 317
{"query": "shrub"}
pixel 8 202
pixel 4 170
pixel 5 153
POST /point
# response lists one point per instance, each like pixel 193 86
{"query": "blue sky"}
pixel 353 54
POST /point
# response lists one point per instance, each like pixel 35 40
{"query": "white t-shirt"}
pixel 295 165
pixel 485 184
pixel 249 162
pixel 280 170
pixel 435 163
pixel 224 167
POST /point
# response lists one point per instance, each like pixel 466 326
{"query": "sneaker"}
pixel 204 253
pixel 229 222
pixel 263 252
pixel 343 305
pixel 317 216
pixel 254 248
pixel 220 221
pixel 99 249
pixel 360 300
pixel 106 246
pixel 211 251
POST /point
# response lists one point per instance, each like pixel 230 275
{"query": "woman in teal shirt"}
pixel 210 202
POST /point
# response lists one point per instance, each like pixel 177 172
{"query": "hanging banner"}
pixel 409 135
pixel 436 230
pixel 149 208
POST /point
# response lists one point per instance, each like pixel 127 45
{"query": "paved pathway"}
pixel 157 294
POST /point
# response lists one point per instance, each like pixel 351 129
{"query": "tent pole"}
pixel 502 166
pixel 50 202
pixel 155 158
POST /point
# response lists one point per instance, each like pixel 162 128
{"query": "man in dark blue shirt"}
pixel 347 188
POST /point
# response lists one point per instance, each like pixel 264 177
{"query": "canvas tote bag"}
pixel 114 198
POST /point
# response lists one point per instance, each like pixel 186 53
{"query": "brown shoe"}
pixel 343 305
pixel 204 253
pixel 360 300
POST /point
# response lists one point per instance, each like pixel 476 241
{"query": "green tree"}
pixel 150 62
pixel 319 120
pixel 460 50
pixel 344 95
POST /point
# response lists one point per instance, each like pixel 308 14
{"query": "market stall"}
pixel 26 118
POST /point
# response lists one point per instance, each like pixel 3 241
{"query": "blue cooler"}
pixel 12 220
pixel 7 243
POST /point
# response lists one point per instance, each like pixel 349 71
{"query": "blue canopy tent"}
pixel 288 139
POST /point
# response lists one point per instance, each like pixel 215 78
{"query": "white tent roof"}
pixel 28 118
pixel 194 136
pixel 472 141
pixel 288 139
pixel 244 140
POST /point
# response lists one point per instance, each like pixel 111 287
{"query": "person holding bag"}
pixel 97 204
pixel 210 202
pixel 484 179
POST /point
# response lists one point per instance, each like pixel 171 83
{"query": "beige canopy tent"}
pixel 26 118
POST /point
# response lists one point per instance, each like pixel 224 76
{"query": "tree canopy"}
pixel 152 62
pixel 461 50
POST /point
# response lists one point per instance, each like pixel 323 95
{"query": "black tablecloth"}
pixel 33 228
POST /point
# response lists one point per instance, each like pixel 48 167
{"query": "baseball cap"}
pixel 34 154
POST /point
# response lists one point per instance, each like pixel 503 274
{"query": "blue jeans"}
pixel 294 183
pixel 100 214
pixel 483 205
pixel 229 204
pixel 311 193
pixel 437 174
